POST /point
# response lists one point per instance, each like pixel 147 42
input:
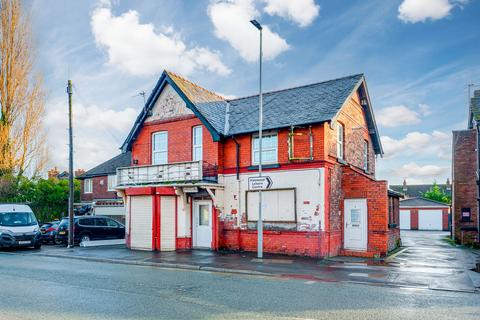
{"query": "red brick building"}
pixel 193 153
pixel 98 188
pixel 465 171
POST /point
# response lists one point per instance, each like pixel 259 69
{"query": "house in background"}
pixel 417 190
pixel 98 188
pixel 194 151
pixel 466 173
pixel 55 174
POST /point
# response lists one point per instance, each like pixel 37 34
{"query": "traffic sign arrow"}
pixel 260 183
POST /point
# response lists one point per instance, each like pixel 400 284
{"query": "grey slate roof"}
pixel 303 105
pixel 312 103
pixel 416 190
pixel 421 202
pixel 109 166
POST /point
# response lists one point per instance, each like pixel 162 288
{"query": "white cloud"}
pixel 302 12
pixel 415 170
pixel 98 133
pixel 421 10
pixel 231 21
pixel 140 50
pixel 425 109
pixel 396 116
pixel 437 144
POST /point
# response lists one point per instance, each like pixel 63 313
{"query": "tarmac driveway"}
pixel 429 260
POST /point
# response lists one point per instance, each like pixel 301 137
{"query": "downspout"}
pixel 237 171
pixel 478 181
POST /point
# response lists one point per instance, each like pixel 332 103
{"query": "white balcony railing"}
pixel 161 173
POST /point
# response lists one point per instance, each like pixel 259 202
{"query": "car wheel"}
pixel 37 245
pixel 84 238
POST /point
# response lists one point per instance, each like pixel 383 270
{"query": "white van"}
pixel 18 227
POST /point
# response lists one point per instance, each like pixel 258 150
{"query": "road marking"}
pixel 310 282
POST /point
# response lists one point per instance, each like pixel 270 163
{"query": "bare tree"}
pixel 22 98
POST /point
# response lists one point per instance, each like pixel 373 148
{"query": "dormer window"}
pixel 340 141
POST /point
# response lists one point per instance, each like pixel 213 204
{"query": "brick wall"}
pixel 179 141
pixel 464 184
pixel 358 185
pixel 356 132
pixel 301 146
pixel 100 190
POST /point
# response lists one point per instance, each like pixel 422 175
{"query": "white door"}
pixel 202 224
pixel 405 220
pixel 167 223
pixel 355 228
pixel 141 222
pixel 430 220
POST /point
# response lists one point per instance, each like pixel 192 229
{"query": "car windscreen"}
pixel 17 219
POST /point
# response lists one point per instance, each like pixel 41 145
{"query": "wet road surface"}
pixel 39 287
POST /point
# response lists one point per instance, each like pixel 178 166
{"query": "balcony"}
pixel 172 173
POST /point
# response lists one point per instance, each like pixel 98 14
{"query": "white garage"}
pixel 424 214
pixel 430 219
pixel 405 221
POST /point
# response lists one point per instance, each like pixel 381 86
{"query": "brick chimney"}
pixel 79 172
pixel 53 173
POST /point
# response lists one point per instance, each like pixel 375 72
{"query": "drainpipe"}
pixel 239 189
pixel 237 157
pixel 478 181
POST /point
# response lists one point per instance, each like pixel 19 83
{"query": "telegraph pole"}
pixel 70 167
pixel 257 25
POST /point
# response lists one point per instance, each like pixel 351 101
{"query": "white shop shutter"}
pixel 167 223
pixel 141 222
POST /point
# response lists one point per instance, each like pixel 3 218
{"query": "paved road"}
pixel 39 287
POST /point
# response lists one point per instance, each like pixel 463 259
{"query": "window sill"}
pixel 265 166
pixel 342 161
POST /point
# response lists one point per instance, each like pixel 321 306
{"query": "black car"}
pixel 49 231
pixel 86 228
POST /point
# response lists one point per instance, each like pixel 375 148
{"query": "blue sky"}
pixel 417 55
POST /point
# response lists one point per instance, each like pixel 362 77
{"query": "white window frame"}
pixel 265 135
pixel 111 182
pixel 154 151
pixel 88 186
pixel 340 141
pixel 195 131
pixel 365 155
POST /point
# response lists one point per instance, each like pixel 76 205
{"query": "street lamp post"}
pixel 260 129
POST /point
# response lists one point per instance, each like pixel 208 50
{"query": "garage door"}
pixel 167 223
pixel 405 219
pixel 141 222
pixel 430 220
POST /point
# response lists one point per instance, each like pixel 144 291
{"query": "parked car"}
pixel 86 228
pixel 19 227
pixel 48 231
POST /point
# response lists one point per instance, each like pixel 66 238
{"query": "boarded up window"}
pixel 278 205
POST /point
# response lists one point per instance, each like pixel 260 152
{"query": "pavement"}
pixel 426 261
pixel 36 287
